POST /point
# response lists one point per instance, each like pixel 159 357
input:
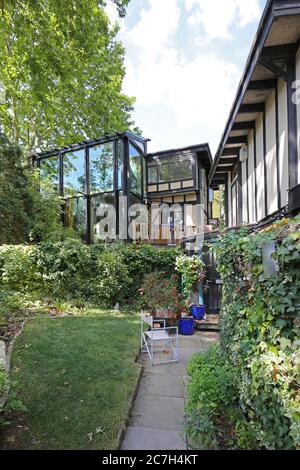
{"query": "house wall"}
pixel 271 164
pixel 245 192
pixel 260 169
pixel 283 143
pixel 251 178
pixel 298 109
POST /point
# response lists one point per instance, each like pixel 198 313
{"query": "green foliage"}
pixel 212 400
pixel 159 292
pixel 69 269
pixel 62 68
pixel 29 210
pixel 260 329
pixel 112 280
pixel 192 269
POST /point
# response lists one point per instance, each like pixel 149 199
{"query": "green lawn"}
pixel 76 376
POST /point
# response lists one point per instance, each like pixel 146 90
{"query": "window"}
pixel 135 169
pixel 170 169
pixel 103 221
pixel 152 174
pixel 74 173
pixel 76 215
pixel 49 169
pixel 181 169
pixel 102 168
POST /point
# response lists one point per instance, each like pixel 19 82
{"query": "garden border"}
pixel 124 426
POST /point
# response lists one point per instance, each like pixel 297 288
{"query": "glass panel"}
pixel 102 207
pixel 102 168
pixel 135 169
pixel 49 169
pixel 164 173
pixel 74 173
pixel 181 169
pixel 152 175
pixel 120 164
pixel 140 145
pixel 76 215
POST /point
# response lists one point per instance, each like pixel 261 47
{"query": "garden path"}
pixel 158 421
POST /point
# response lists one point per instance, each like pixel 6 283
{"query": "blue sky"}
pixel 184 60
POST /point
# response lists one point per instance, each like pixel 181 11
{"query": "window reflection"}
pixel 102 168
pixel 170 169
pixel 135 169
pixel 76 215
pixel 49 169
pixel 102 217
pixel 74 173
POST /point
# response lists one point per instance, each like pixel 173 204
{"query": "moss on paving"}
pixel 75 376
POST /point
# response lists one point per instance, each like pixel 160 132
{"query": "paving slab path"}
pixel 158 421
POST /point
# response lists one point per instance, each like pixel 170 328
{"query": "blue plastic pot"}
pixel 198 312
pixel 186 326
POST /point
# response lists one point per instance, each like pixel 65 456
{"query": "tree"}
pixel 30 210
pixel 62 68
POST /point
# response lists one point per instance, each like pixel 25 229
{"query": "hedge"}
pixel 103 274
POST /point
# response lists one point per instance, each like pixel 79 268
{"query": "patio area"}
pixel 158 421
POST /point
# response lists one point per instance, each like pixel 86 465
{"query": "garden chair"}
pixel 162 341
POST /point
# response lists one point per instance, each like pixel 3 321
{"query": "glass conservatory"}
pixel 93 176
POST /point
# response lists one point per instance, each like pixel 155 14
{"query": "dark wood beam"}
pixel 228 161
pixel 261 85
pixel 230 152
pixel 251 108
pixel 239 140
pixel 243 126
pixel 277 52
pixel 273 67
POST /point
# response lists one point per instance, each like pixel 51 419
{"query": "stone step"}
pixel 210 324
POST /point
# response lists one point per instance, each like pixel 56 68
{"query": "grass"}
pixel 75 377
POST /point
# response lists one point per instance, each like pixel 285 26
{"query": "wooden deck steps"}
pixel 210 324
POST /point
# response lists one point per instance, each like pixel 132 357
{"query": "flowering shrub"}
pixel 159 292
pixel 192 269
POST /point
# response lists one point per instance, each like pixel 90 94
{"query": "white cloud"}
pixel 217 20
pixel 182 98
pixel 156 26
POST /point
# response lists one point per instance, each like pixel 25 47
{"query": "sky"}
pixel 184 60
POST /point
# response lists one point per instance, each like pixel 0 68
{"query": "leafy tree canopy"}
pixel 62 68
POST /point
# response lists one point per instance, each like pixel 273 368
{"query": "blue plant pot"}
pixel 198 312
pixel 186 327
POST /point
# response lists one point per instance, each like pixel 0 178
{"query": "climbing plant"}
pixel 260 326
pixel 192 270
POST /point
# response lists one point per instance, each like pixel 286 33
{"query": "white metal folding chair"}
pixel 159 340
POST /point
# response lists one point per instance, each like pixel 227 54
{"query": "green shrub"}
pixel 260 329
pixel 18 270
pixel 70 270
pixel 111 282
pixel 214 420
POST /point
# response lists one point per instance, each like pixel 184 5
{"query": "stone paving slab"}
pixel 153 439
pixel 157 421
pixel 168 386
pixel 160 412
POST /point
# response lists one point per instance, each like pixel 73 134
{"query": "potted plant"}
pixel 161 296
